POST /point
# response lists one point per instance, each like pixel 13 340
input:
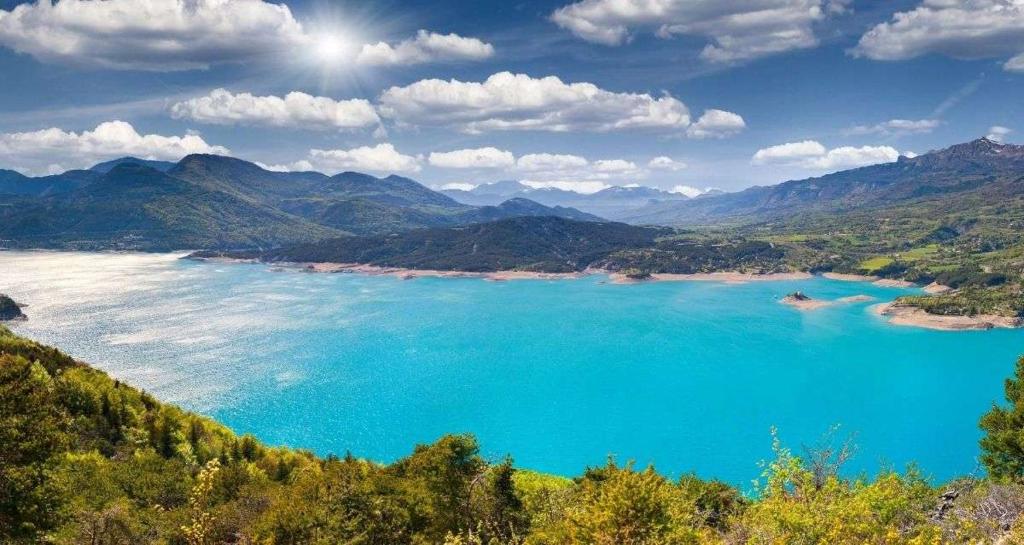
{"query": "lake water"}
pixel 560 374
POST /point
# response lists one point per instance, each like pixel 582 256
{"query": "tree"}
pixel 1003 444
pixel 30 436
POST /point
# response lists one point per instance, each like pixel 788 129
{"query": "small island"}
pixel 801 301
pixel 9 310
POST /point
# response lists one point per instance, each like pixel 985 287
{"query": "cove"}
pixel 560 374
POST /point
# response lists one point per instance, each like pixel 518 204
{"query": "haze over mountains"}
pixel 613 203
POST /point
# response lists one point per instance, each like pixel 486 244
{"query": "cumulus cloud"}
pixel 36 151
pixel 897 127
pixel 1015 64
pixel 425 47
pixel 574 173
pixel 716 124
pixel 550 162
pixel 297 110
pixel 488 157
pixel 687 190
pixel 810 154
pixel 972 29
pixel 155 35
pixel 665 163
pixel 736 30
pixel 788 152
pixel 616 166
pixel 507 101
pixel 297 166
pixel 998 133
pixel 380 158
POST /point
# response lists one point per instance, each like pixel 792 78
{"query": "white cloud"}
pixel 458 186
pixel 550 162
pixel 897 127
pixel 997 133
pixel 665 163
pixel 789 152
pixel 1015 64
pixel 970 29
pixel 507 101
pixel 298 110
pixel 716 124
pixel 687 190
pixel 616 166
pixel 36 151
pixel 850 157
pixel 379 158
pixel 425 47
pixel 812 155
pixel 575 173
pixel 297 166
pixel 579 186
pixel 156 35
pixel 488 157
pixel 737 30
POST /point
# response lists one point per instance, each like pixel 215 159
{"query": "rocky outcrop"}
pixel 9 310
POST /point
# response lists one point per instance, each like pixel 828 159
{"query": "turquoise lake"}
pixel 560 374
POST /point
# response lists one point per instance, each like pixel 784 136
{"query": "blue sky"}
pixel 665 93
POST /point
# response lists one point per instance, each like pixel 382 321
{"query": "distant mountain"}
pixel 546 244
pixel 612 203
pixel 14 183
pixel 107 166
pixel 982 165
pixel 210 201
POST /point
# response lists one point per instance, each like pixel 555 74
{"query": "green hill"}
pixel 534 243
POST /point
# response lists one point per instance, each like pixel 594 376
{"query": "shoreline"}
pixel 727 277
pixel 904 315
pixel 876 280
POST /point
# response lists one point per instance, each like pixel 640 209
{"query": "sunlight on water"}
pixel 560 374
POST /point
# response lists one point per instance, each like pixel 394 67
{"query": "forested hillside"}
pixel 86 459
pixel 211 201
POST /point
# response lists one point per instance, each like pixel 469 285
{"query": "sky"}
pixel 682 95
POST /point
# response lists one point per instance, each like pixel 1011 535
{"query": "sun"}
pixel 332 47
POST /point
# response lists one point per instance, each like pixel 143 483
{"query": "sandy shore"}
pixel 935 288
pixel 430 273
pixel 912 316
pixel 890 283
pixel 724 277
pixel 804 304
pixel 850 277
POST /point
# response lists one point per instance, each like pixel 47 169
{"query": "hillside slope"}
pixel 541 243
pixel 210 201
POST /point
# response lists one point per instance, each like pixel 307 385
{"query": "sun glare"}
pixel 332 47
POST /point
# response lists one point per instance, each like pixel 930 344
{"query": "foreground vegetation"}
pixel 87 459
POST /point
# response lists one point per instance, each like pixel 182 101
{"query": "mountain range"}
pixel 613 203
pixel 983 168
pixel 210 201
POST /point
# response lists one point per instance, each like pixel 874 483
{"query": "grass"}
pixel 876 263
